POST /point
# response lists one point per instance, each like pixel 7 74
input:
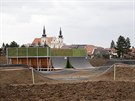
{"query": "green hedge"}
pixel 22 52
pixel 42 51
pixel 12 51
pixel 32 51
pixel 79 52
pixel 61 52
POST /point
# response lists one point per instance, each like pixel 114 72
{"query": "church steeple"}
pixel 44 32
pixel 60 33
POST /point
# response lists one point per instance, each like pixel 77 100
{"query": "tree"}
pixel 13 44
pixel 3 49
pixel 3 45
pixel 7 45
pixel 23 46
pixel 112 44
pixel 39 44
pixel 128 44
pixel 122 46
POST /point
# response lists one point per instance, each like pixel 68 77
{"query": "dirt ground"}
pixel 20 76
pixel 98 62
pixel 85 91
pixel 16 85
pixel 122 73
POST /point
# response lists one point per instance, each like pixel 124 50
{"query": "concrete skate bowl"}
pixel 67 74
pixel 59 62
pixel 80 63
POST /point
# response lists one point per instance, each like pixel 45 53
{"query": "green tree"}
pixel 3 49
pixel 13 44
pixel 123 46
pixel 22 45
pixel 128 44
pixel 39 44
pixel 7 45
pixel 112 44
pixel 3 45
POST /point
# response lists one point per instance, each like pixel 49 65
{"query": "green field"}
pixel 44 51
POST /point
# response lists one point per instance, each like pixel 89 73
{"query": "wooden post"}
pixel 37 59
pixel 50 59
pixel 47 58
pixel 17 54
pixel 7 55
pixel 114 72
pixel 33 80
pixel 27 54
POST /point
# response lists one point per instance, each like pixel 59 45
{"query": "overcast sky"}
pixel 95 22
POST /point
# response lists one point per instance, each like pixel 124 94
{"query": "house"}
pixel 74 46
pixel 52 42
pixel 131 54
pixel 90 50
pixel 112 52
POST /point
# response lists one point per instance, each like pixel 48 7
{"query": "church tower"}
pixel 44 37
pixel 60 39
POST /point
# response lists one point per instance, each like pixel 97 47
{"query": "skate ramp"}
pixel 59 62
pixel 80 63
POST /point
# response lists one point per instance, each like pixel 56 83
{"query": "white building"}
pixel 53 42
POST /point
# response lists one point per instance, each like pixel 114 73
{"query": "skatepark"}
pixel 80 68
pixel 66 78
pixel 69 84
pixel 60 64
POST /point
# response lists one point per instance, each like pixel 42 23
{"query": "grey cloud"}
pixel 82 21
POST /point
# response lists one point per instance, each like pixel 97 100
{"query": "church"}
pixel 52 42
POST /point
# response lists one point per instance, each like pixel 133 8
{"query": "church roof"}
pixel 133 50
pixel 60 34
pixel 36 40
pixel 90 49
pixel 49 39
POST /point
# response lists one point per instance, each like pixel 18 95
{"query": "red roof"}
pixel 90 49
pixel 36 41
pixel 49 39
pixel 133 50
